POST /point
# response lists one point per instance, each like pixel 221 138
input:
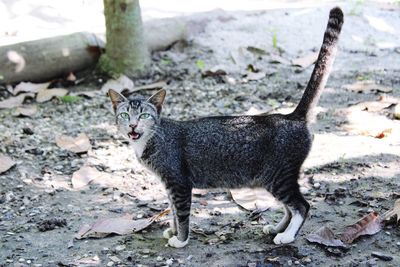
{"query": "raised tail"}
pixel 322 67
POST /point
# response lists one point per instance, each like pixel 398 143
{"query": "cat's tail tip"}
pixel 336 12
pixel 336 17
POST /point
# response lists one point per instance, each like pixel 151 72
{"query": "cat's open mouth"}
pixel 134 135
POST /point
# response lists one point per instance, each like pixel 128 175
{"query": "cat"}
pixel 229 151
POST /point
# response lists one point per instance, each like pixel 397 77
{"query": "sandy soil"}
pixel 349 172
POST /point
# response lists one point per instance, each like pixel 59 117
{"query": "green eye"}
pixel 144 116
pixel 124 115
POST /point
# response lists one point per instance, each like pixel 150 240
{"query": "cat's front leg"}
pixel 181 197
pixel 171 231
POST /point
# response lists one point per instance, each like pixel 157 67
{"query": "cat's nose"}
pixel 133 126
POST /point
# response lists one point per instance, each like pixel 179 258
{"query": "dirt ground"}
pixel 349 173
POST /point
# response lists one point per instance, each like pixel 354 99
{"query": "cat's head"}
pixel 137 117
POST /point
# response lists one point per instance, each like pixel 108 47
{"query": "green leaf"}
pixel 200 64
pixel 69 98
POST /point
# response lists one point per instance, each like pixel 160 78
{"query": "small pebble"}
pixel 296 262
pixel 316 185
pixel 146 251
pixel 169 261
pixel 120 247
pixel 110 263
pixel 159 258
pixel 21 260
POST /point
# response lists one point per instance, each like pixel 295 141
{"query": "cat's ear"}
pixel 158 99
pixel 116 98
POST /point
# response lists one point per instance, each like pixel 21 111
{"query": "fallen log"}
pixel 45 59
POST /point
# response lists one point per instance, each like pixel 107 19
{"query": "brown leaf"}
pixel 87 94
pixel 79 144
pixel 71 77
pixel 375 106
pixel 367 87
pixel 326 237
pixel 13 102
pixel 121 226
pixel 395 212
pixel 29 87
pixel 214 71
pixel 46 95
pixel 254 76
pixel 84 176
pixel 276 59
pixel 377 126
pixel 157 85
pixel 384 133
pixel 306 60
pixel 5 163
pixel 122 84
pixel 252 199
pixel 257 51
pixel 396 112
pixel 26 111
pixel 368 225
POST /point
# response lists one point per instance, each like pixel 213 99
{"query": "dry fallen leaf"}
pixel 276 59
pixel 120 85
pixel 27 111
pixel 368 225
pixel 306 60
pixel 367 87
pixel 79 144
pixel 29 87
pixel 326 237
pixel 395 212
pixel 5 163
pixel 254 76
pixel 252 199
pixel 384 133
pixel 157 85
pixel 121 226
pixel 397 112
pixel 84 176
pixel 87 94
pixel 13 102
pixel 218 70
pixel 46 95
pixel 378 126
pixel 71 77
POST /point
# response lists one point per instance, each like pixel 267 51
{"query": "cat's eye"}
pixel 144 116
pixel 124 116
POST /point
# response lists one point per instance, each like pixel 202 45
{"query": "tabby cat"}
pixel 229 151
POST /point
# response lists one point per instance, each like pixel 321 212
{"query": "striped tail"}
pixel 322 67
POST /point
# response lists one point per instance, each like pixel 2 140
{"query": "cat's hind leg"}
pixel 298 208
pixel 281 226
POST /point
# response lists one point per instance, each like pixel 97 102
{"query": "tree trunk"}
pixel 126 50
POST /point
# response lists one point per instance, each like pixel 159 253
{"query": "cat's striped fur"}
pixel 229 151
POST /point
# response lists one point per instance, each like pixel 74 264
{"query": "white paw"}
pixel 168 233
pixel 269 229
pixel 174 242
pixel 283 238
